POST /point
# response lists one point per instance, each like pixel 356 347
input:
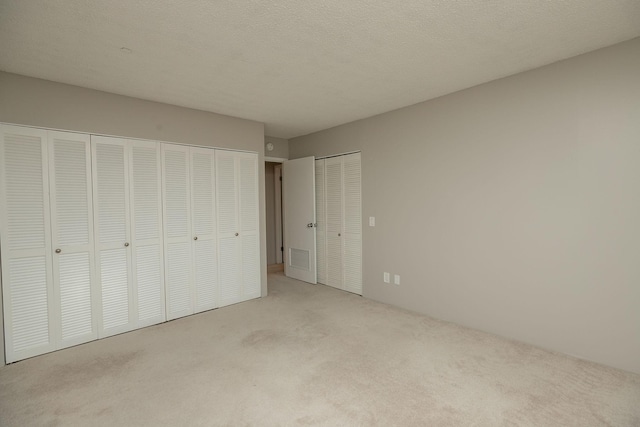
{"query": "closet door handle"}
pixel 237 234
pixel 195 238
pixel 310 225
pixel 126 244
pixel 58 251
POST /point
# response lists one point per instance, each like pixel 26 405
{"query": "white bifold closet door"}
pixel 190 229
pixel 339 219
pixel 49 295
pixel 128 228
pixel 237 218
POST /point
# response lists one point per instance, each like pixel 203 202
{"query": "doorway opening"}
pixel 273 196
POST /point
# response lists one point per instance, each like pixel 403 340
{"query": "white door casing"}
pixel 299 212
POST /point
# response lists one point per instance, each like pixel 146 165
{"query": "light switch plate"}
pixel 385 277
pixel 372 221
pixel 396 279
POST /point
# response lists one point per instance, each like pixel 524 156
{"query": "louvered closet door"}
pixel 205 256
pixel 112 231
pixel 146 233
pixel 72 237
pixel 177 231
pixel 229 246
pixel 249 236
pixel 352 223
pixel 335 221
pixel 321 226
pixel 27 282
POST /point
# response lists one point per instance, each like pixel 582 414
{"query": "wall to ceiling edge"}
pixel 511 207
pixel 41 103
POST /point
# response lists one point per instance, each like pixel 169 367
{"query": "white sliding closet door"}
pixel 113 228
pixel 203 210
pixel 339 219
pixel 238 237
pixel 72 237
pixel 177 231
pixel 27 281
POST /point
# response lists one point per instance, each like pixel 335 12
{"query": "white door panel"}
pixel 238 232
pixel 27 282
pixel 72 231
pixel 339 210
pixel 204 228
pixel 112 222
pixel 299 213
pixel 321 227
pixel 147 260
pixel 176 186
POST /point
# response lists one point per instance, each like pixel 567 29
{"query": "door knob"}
pixel 310 225
pixel 58 251
pixel 339 234
pixel 126 244
pixel 237 234
pixel 195 238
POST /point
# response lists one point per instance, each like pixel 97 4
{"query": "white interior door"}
pixel 249 231
pixel 321 224
pixel 27 283
pixel 177 231
pixel 229 247
pixel 72 237
pixel 334 221
pixel 147 259
pixel 299 212
pixel 352 223
pixel 112 224
pixel 204 228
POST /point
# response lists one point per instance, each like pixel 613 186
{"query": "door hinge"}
pixel 281 248
pixel 280 178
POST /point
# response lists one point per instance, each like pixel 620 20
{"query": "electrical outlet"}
pixel 396 279
pixel 385 277
pixel 372 221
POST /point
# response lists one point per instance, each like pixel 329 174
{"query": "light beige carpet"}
pixel 313 355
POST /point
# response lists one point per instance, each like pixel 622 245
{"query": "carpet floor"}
pixel 313 355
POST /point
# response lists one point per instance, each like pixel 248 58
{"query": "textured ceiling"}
pixel 299 66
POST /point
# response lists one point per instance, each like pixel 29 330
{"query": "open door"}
pixel 299 212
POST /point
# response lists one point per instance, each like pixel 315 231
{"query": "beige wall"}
pixel 512 207
pixel 35 102
pixel 280 147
